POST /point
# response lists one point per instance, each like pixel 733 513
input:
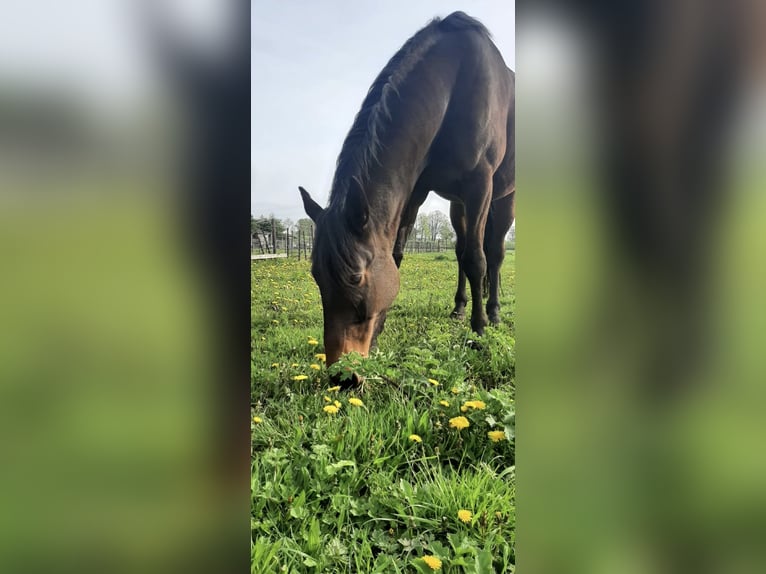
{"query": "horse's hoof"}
pixel 475 345
pixel 457 315
pixel 494 320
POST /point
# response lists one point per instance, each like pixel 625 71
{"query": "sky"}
pixel 312 64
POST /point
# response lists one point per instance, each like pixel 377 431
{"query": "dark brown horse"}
pixel 439 117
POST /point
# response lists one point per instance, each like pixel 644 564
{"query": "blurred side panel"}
pixel 641 274
pixel 124 298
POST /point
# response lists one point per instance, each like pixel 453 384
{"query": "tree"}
pixel 304 225
pixel 422 230
pixel 439 223
pixel 446 233
pixel 263 225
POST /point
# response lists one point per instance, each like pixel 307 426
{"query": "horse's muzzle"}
pixel 349 383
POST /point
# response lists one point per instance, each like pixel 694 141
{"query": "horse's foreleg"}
pixel 474 261
pixel 407 223
pixel 457 217
pixel 401 241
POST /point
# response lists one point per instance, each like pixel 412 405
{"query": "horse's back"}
pixel 476 131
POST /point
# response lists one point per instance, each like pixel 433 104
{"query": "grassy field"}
pixel 412 473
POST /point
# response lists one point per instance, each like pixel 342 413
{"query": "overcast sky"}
pixel 312 64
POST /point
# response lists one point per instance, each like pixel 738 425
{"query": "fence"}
pixel 416 246
pixel 300 243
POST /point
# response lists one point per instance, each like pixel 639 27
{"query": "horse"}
pixel 439 117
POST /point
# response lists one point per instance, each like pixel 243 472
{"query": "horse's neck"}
pixel 387 202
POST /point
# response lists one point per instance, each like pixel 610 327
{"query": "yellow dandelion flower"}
pixel 284 308
pixel 415 438
pixel 333 389
pixel 313 341
pixel 463 409
pixel 295 365
pixel 330 409
pixel 257 420
pixel 434 382
pixel 455 390
pixel 356 402
pixel 300 377
pixel 444 403
pixel 275 321
pixel 274 364
pixel 433 562
pixel 464 515
pixel 327 399
pixel 337 404
pixel 321 357
pixel 496 435
pixel 459 423
pixel 478 405
pixel 314 366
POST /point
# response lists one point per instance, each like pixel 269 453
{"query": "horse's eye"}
pixel 356 278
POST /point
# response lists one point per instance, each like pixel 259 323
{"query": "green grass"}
pixel 351 491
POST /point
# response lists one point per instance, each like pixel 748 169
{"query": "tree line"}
pixel 433 226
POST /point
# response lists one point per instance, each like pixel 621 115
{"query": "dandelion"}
pixel 257 420
pixel 300 377
pixel 284 308
pixel 459 423
pixel 313 341
pixel 455 390
pixel 415 438
pixel 314 366
pixel 444 403
pixel 295 365
pixel 434 382
pixel 337 404
pixel 333 389
pixel 463 409
pixel 275 321
pixel 356 402
pixel 464 515
pixel 321 357
pixel 327 399
pixel 274 364
pixel 478 405
pixel 496 435
pixel 330 409
pixel 433 562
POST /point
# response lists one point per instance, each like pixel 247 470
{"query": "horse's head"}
pixel 354 268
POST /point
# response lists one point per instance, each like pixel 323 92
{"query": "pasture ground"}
pixel 379 485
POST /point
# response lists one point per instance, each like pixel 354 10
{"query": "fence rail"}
pixel 301 243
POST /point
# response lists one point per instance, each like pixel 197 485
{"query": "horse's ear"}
pixel 357 207
pixel 313 209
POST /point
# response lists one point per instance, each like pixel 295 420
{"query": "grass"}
pixel 376 483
